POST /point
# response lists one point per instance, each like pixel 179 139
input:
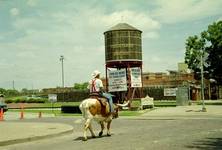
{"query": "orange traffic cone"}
pixel 22 113
pixel 1 114
pixel 40 114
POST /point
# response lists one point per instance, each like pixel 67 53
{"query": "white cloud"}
pixel 139 20
pixel 39 37
pixel 172 11
pixel 155 59
pixel 78 36
pixel 14 11
pixel 220 19
pixel 32 3
pixel 151 35
pixel 26 54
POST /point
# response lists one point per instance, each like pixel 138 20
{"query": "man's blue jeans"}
pixel 110 100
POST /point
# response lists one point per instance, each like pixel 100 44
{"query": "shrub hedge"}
pixel 79 95
pixel 23 100
pixel 74 96
pixel 157 93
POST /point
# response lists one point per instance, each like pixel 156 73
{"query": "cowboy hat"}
pixel 95 73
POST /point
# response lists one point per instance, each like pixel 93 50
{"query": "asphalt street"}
pixel 200 133
pixel 137 134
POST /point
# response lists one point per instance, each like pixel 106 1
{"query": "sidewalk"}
pixel 185 112
pixel 12 132
pixel 18 132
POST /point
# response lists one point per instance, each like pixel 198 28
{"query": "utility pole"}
pixel 62 59
pixel 202 57
pixel 202 82
pixel 13 85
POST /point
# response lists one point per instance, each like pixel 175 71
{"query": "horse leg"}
pixel 86 126
pixel 91 130
pixel 102 128
pixel 108 128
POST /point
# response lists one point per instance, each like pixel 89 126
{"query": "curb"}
pixel 34 138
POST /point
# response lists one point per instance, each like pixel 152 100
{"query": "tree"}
pixel 214 36
pixel 194 46
pixel 12 92
pixel 210 42
pixel 2 91
pixel 24 91
pixel 81 86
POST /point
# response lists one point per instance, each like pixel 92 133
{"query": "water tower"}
pixel 123 55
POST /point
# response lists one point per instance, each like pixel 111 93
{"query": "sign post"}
pixel 53 99
pixel 202 58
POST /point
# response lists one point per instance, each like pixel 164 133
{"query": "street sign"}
pixel 52 98
pixel 170 91
pixel 117 80
pixel 136 80
pixel 204 57
pixel 204 54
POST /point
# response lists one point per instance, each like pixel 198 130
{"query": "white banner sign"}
pixel 117 80
pixel 136 77
pixel 52 98
pixel 170 91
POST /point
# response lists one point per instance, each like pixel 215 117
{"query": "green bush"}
pixel 17 100
pixel 24 100
pixel 9 101
pixel 74 96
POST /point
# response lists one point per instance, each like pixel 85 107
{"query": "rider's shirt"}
pixel 95 85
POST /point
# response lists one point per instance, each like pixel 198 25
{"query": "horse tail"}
pixel 81 107
pixel 84 106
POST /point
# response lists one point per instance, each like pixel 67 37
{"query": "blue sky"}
pixel 34 33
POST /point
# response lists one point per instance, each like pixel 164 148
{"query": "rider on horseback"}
pixel 96 88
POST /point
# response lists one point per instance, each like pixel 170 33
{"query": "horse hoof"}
pixel 108 134
pixel 100 134
pixel 93 136
pixel 84 139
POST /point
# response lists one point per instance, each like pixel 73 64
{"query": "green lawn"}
pixel 59 104
pixel 58 112
pixel 135 104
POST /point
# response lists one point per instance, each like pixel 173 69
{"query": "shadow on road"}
pixel 207 144
pixel 90 138
pixel 78 139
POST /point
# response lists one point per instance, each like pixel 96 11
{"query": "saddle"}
pixel 102 100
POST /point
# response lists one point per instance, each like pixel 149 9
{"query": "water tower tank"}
pixel 123 55
pixel 123 43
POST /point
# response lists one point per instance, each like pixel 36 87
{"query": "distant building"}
pixel 162 79
pixel 175 78
pixel 57 90
pixel 183 68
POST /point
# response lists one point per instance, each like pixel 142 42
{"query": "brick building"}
pixel 173 79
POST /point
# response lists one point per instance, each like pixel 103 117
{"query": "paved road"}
pixel 164 128
pixel 202 133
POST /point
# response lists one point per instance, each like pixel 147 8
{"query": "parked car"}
pixel 2 103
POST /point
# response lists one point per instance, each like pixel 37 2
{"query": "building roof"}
pixel 123 26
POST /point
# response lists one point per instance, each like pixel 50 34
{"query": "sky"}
pixel 35 33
